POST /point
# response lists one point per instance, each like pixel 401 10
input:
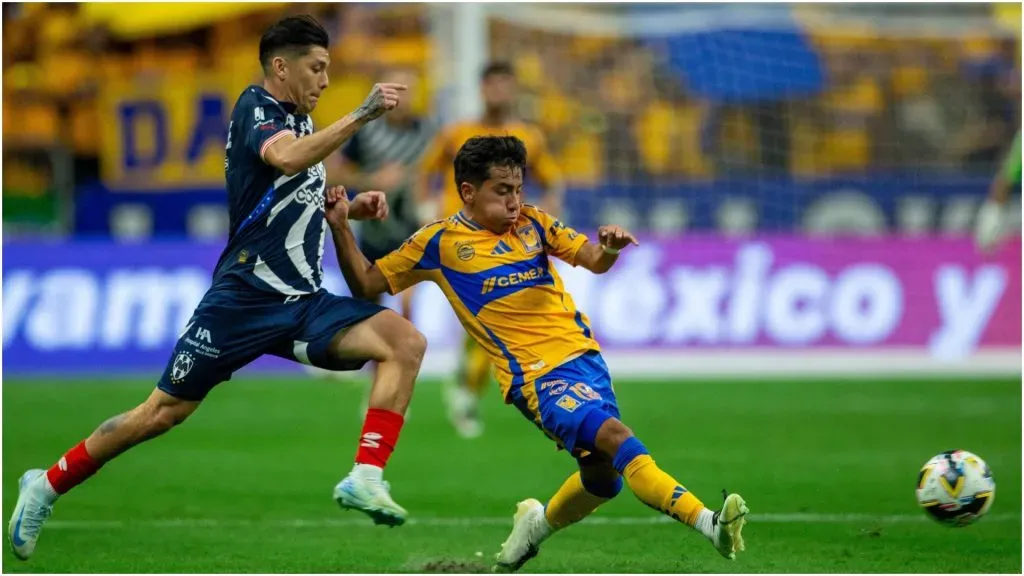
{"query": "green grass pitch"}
pixel 827 467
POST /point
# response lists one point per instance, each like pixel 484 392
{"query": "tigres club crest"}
pixel 183 363
pixel 529 237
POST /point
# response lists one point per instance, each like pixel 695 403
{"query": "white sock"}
pixel 368 472
pixel 705 523
pixel 544 529
pixel 49 493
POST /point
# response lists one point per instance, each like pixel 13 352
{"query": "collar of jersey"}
pixel 470 223
pixel 288 106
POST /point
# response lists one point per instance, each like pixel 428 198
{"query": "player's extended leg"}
pixel 39 489
pixel 397 347
pixel 581 494
pixel 664 493
pixel 462 395
pixel 584 416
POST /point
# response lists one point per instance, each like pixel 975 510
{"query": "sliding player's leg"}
pixel 659 490
pixel 462 395
pixel 595 483
pixel 585 417
pixel 343 334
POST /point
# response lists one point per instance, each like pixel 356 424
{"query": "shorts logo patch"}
pixel 183 363
pixel 568 403
pixel 464 251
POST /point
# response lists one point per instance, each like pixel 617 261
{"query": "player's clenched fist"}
pixel 383 97
pixel 336 206
pixel 371 205
pixel 365 206
pixel 615 237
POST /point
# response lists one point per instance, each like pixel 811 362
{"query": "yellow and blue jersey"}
pixel 503 288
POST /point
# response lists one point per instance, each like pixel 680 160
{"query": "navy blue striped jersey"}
pixel 276 240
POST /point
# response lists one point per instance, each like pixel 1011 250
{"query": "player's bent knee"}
pixel 599 476
pixel 603 487
pixel 409 347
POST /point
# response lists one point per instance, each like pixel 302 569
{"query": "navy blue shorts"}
pixel 230 328
pixel 559 401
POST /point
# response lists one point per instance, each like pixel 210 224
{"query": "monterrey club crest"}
pixel 183 363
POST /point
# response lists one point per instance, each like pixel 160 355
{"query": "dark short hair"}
pixel 497 68
pixel 294 34
pixel 479 154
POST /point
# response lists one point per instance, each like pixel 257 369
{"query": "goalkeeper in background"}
pixel 498 87
pixel 992 217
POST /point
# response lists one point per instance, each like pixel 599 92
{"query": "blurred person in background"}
pixel 498 88
pixel 992 215
pixel 266 295
pixel 384 156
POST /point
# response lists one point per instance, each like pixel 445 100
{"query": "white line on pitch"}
pixel 767 518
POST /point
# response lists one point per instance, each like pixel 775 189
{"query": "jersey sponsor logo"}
pixel 465 251
pixel 554 387
pixel 307 196
pixel 201 342
pixel 511 279
pixel 529 237
pixel 203 334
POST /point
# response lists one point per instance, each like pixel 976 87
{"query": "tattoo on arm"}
pixel 373 107
pixel 111 424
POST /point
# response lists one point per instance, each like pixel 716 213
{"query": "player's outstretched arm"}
pixel 599 258
pixel 364 279
pixel 292 155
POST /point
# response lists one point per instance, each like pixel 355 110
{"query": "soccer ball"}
pixel 956 488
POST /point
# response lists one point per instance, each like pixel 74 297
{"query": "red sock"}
pixel 380 434
pixel 72 469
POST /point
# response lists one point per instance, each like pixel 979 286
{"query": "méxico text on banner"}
pixel 690 305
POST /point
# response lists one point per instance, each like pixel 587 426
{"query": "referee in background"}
pixel 385 155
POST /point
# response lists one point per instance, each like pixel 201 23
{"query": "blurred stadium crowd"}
pixel 616 108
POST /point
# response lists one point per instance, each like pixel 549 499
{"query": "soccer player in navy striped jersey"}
pixel 265 296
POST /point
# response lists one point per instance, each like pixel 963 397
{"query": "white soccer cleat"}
pixel 529 529
pixel 463 410
pixel 372 497
pixel 729 521
pixel 30 513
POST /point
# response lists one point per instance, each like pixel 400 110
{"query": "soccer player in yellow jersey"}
pixel 492 260
pixel 498 91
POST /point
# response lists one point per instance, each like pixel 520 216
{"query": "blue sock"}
pixel 629 450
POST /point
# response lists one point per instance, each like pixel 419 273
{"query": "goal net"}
pixel 805 177
pixel 770 118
